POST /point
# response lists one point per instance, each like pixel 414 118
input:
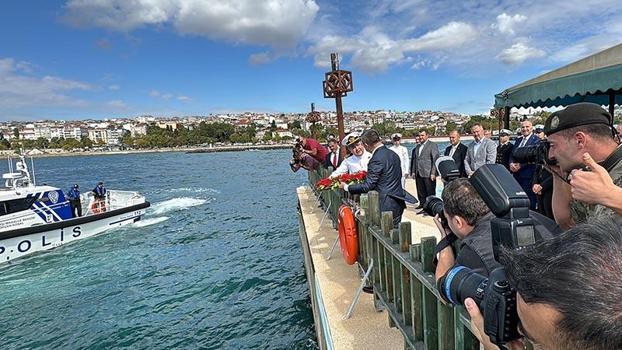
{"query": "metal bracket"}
pixel 357 295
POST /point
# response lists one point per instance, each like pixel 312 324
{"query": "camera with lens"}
pixel 512 228
pixel 434 206
pixel 535 154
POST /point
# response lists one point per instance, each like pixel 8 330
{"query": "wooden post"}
pixel 427 253
pixel 445 325
pixel 416 290
pixel 374 208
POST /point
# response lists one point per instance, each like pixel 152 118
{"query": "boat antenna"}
pixel 10 164
pixel 32 165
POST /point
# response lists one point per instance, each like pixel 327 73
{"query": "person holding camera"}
pixel 313 148
pixel 589 163
pixel 468 219
pixel 567 290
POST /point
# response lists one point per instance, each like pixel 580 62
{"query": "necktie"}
pixel 523 142
pixel 335 160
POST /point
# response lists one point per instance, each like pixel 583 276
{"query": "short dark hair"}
pixel 333 141
pixel 460 198
pixel 370 137
pixel 598 131
pixel 477 124
pixel 423 130
pixel 579 273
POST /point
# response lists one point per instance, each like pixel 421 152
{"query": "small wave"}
pixel 150 221
pixel 177 204
pixel 194 190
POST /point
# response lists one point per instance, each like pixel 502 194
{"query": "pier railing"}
pixel 402 275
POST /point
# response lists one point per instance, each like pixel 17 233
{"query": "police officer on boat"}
pixel 74 201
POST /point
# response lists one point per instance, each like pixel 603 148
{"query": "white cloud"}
pixel 167 96
pixel 505 23
pixel 18 90
pixel 372 50
pixel 449 36
pixel 519 53
pixel 113 87
pixel 277 23
pixel 117 104
pixel 260 58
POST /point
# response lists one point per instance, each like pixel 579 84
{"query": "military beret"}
pixel 578 114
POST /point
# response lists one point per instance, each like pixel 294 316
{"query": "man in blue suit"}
pixel 384 175
pixel 523 172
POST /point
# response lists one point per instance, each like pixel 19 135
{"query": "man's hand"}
pixel 477 324
pixel 433 177
pixel 536 188
pixel 439 225
pixel 514 167
pixel 342 185
pixel 595 186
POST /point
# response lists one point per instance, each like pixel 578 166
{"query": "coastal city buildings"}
pixel 110 133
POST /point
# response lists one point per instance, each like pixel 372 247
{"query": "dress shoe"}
pixel 419 207
pixel 368 289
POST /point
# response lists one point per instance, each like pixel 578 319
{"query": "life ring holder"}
pixel 348 236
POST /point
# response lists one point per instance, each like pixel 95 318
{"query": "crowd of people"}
pixel 567 283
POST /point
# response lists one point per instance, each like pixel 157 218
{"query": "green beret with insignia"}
pixel 578 114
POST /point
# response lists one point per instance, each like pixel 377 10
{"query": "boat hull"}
pixel 18 243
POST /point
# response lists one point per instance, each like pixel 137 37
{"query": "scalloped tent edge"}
pixel 596 78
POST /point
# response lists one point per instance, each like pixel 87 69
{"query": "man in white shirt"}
pixel 402 152
pixel 357 161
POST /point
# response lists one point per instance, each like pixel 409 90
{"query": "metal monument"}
pixel 337 83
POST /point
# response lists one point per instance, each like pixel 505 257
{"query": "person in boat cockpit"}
pixel 74 201
pixel 99 192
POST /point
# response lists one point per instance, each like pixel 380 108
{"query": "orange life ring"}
pixel 348 238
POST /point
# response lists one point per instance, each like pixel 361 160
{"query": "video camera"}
pixel 512 228
pixel 535 154
pixel 448 170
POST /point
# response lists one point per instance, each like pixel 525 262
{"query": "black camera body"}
pixel 535 154
pixel 512 228
pixel 494 296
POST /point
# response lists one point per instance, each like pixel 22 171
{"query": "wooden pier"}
pixel 413 316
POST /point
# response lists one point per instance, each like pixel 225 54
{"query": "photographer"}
pixel 580 136
pixel 568 290
pixel 468 218
pixel 300 159
pixel 313 148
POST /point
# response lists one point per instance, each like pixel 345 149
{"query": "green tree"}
pixel 42 142
pixel 450 126
pixel 85 142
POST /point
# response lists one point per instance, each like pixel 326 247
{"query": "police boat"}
pixel 35 218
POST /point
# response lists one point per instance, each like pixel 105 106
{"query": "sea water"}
pixel 215 263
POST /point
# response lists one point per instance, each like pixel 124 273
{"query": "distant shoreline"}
pixel 158 150
pixel 214 149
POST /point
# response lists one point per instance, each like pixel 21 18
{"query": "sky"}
pixel 96 59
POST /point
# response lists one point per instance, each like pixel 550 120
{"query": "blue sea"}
pixel 214 264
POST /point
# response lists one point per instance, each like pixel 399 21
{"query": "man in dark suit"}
pixel 523 172
pixel 457 151
pixel 422 167
pixel 384 174
pixel 334 158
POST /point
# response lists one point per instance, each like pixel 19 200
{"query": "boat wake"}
pixel 180 203
pixel 195 190
pixel 150 221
